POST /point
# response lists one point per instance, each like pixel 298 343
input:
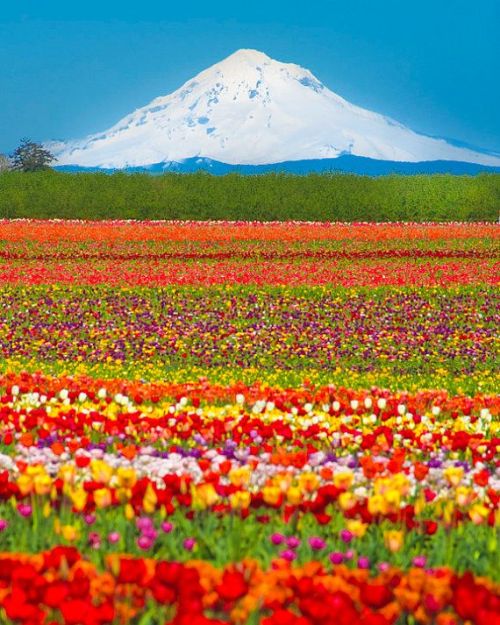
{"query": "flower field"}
pixel 204 254
pixel 247 423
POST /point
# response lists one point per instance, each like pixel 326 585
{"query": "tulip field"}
pixel 247 423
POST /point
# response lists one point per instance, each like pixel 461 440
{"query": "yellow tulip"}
pixel 358 528
pixel 308 482
pixel 420 504
pixel 347 501
pixel 240 500
pixel 150 500
pixel 34 469
pixel 393 500
pixel 129 512
pixel 271 494
pixel 127 477
pixel 393 540
pixel 478 513
pixel 343 479
pixel 42 483
pixel 294 495
pixel 25 484
pixel 240 476
pixel 448 511
pixel 204 496
pixel 102 497
pixel 101 472
pixel 377 505
pixel 454 475
pixel 463 495
pixel 69 533
pixel 123 494
pixel 79 499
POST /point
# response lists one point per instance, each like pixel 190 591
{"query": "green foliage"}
pixel 223 539
pixel 318 197
pixel 31 156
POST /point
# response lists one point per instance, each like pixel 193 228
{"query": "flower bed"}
pixel 178 448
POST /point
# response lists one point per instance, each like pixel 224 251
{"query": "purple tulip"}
pixel 336 557
pixel 167 527
pixel 317 543
pixel 278 539
pixel 144 542
pixel 346 536
pixel 363 562
pixel 293 542
pixel 24 509
pixel 3 525
pixel 144 524
pixel 152 534
pixel 288 554
pixel 189 544
pixel 113 537
pixel 419 561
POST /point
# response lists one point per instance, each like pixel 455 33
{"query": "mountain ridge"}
pixel 345 164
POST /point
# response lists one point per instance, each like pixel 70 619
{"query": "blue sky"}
pixel 68 69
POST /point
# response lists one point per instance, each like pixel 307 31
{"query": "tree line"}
pixel 319 197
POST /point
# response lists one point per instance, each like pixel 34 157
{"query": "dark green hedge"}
pixel 321 197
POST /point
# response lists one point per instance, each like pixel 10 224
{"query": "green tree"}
pixel 31 156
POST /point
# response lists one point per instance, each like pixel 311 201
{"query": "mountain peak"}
pixel 248 55
pixel 249 109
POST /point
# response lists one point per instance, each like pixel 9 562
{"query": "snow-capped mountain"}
pixel 251 110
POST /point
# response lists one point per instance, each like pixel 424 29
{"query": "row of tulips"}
pixel 161 254
pixel 326 332
pixel 58 586
pixel 66 249
pixel 399 271
pixel 76 230
pixel 355 477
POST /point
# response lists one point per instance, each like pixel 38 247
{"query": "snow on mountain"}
pixel 250 109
